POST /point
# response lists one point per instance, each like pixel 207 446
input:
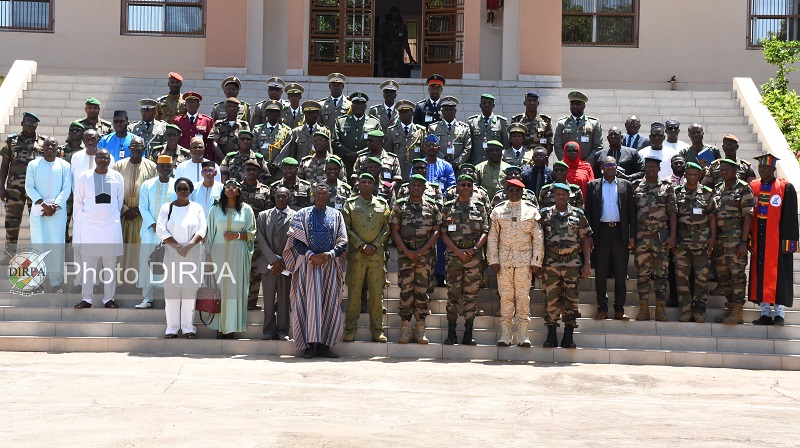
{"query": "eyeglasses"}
pixel 609 165
pixel 179 189
pixel 209 171
pixel 465 185
pixel 673 128
pixel 245 139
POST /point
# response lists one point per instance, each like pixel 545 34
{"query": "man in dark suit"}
pixel 630 165
pixel 428 111
pixel 538 174
pixel 633 139
pixel 272 232
pixel 611 211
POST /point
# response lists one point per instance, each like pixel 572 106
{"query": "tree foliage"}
pixel 783 103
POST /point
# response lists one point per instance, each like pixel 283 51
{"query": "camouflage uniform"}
pixel 456 141
pixel 562 263
pixel 270 144
pixel 415 222
pixel 227 136
pixel 694 230
pixel 169 107
pixel 654 203
pixel 218 112
pixel 312 169
pixel 527 196
pixel 389 161
pixel 478 193
pixel 20 150
pixel 299 193
pixel 547 196
pixel 341 193
pixel 482 132
pixel 102 127
pixel 258 197
pixel 432 191
pixel 464 223
pixel 744 171
pixel 234 161
pixel 732 204
pixel 540 130
pixel 182 155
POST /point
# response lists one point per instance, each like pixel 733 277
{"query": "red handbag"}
pixel 208 299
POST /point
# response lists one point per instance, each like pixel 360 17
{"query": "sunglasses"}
pixel 465 185
pixel 179 189
pixel 210 171
pixel 673 128
pixel 245 139
pixel 609 165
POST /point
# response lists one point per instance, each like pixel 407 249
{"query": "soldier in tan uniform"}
pixel 300 142
pixel 387 112
pixel 275 87
pixel 230 88
pixel 93 120
pixel 540 129
pixel 454 135
pixel 335 105
pixel 172 104
pixel 514 252
pixel 405 138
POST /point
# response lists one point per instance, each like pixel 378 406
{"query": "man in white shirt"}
pixel 192 169
pixel 673 129
pixel 210 189
pixel 659 149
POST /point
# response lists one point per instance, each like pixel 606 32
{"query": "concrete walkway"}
pixel 126 400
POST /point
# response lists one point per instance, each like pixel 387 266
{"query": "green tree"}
pixel 783 103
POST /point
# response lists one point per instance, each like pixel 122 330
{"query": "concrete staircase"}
pixel 48 322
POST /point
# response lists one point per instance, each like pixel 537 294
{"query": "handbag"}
pixel 208 299
pixel 156 259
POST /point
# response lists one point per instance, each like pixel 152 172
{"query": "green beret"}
pixel 466 165
pixel 560 163
pixel 376 133
pixel 93 101
pixel 466 177
pixel 367 176
pixel 420 160
pixel 728 161
pixel 289 161
pixel 513 168
pixel 561 186
pixel 694 166
pixel 245 131
pixel 374 160
pixel 334 160
pixel 494 143
pixel 487 96
pixel 174 126
pixel 418 177
pixel 78 124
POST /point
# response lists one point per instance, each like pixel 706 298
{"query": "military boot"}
pixel 522 335
pixel 405 332
pixel 736 316
pixel 421 339
pixel 467 340
pixel 699 312
pixel 552 338
pixel 721 318
pixel 566 341
pixel 644 310
pixel 661 312
pixel 452 337
pixel 505 334
pixel 686 314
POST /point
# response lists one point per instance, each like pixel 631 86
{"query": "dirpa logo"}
pixel 26 272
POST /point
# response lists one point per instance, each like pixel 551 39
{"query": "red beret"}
pixel 516 183
pixel 176 76
pixel 192 95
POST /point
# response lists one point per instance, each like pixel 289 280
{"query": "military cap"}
pixel 513 168
pixel 766 160
pixel 120 113
pixel 729 162
pixel 374 159
pixel 656 126
pixel 692 165
pixel 376 133
pixel 192 95
pixel 232 99
pixel 367 176
pixel 337 77
pixel 449 101
pixel 417 178
pixel 175 127
pixel 517 127
pixel 164 159
pixel 436 79
pixel 208 164
pixel 294 88
pixel 432 138
pixel 494 143
pixel 532 94
pixel 672 122
pixel 358 96
pixel 334 160
pixel 246 132
pixel 92 101
pixel 466 165
pixel 577 96
pixel 404 104
pixel 148 103
pixel 322 131
pixel 231 80
pixel 32 115
pixel 653 158
pixel 78 124
pixel 253 162
pixel 488 96
pixel 273 105
pixel 310 105
pixel 560 163
pixel 276 82
pixel 730 137
pixel 560 186
pixel 290 161
pixel 176 76
pixel 420 160
pixel 516 183
pixel 466 177
pixel 390 85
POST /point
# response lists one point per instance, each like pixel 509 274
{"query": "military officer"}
pixel 693 151
pixel 539 126
pixel 292 115
pixel 744 170
pixel 275 87
pixel 491 173
pixel 405 138
pixel 514 172
pixel 383 188
pixel 335 105
pixel 478 192
pixel 517 154
pixel 734 206
pixel 578 127
pixel 73 143
pixel 367 220
pixel 259 197
pixel 234 161
pixel 386 112
pixel 300 190
pixel 300 142
pixel 340 190
pixel 566 242
pixel 547 194
pixel 454 135
pixel 656 227
pixel 313 166
pixel 697 237
pixel 230 88
pixel 18 150
pixel 271 137
pixel 226 129
pixel 93 120
pixel 432 190
pixel 465 228
pixel 194 124
pixel 390 162
pixel 148 128
pixel 428 111
pixel 415 222
pixel 172 104
pixel 350 135
pixel 179 154
pixel 485 127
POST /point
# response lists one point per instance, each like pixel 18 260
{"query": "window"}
pixel 26 15
pixel 772 17
pixel 613 23
pixel 164 17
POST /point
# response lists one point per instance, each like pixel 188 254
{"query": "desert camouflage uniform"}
pixel 654 203
pixel 732 204
pixel 20 150
pixel 169 107
pixel 227 136
pixel 694 230
pixel 468 221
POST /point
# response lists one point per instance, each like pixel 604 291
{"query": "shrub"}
pixel 783 103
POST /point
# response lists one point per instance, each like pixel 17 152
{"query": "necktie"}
pixel 294 114
pixel 486 121
pixel 406 127
pixel 271 128
pixel 281 217
pixel 449 128
pixel 516 154
pixel 311 129
pixel 193 118
pixel 389 112
pixel 147 127
pixel 335 102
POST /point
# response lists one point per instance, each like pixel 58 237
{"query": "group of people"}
pixel 296 199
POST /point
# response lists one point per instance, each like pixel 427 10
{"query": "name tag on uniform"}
pixel 365 136
pixel 379 210
pixel 543 141
pixel 584 139
pixel 121 154
pixel 451 227
pixel 428 118
pixel 697 211
pixel 416 149
pixel 450 149
pixel 338 206
pixel 387 175
pixel 485 145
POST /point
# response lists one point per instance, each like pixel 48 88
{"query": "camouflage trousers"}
pixel 413 279
pixel 651 260
pixel 560 284
pixel 373 275
pixel 463 284
pixel 255 277
pixel 15 208
pixel 67 236
pixel 514 286
pixel 689 259
pixel 731 269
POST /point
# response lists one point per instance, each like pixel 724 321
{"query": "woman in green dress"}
pixel 229 245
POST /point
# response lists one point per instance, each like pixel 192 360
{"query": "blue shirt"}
pixel 610 198
pixel 118 147
pixel 441 172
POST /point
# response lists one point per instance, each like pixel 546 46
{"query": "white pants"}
pixel 765 309
pixel 92 274
pixel 179 308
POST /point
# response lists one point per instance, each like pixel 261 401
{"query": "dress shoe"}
pixel 620 315
pixel 191 336
pixel 325 351
pixel 778 321
pixel 601 315
pixel 83 304
pixel 229 336
pixel 145 304
pixel 309 353
pixel 170 336
pixel 763 320
pixel 111 304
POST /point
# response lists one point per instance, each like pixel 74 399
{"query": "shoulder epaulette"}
pixel 162 97
pixel 545 117
pixel 403 184
pixel 381 199
pixel 231 154
pixel 472 116
pixel 501 203
pixel 546 209
pixel 402 200
pixel 310 156
pixel 302 181
pixel 217 103
pixel 746 163
pixel 430 199
pixel 422 102
pixel 500 117
pixel 580 210
pixel 391 154
pixel 351 199
pixel 593 118
pixel 703 187
pixel 574 187
pixel 451 201
pixel 259 155
pixel 10 136
pixel 362 152
pixel 517 118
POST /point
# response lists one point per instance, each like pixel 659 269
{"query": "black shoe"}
pixel 467 339
pixel 763 320
pixel 552 338
pixel 566 341
pixel 777 321
pixel 309 353
pixel 111 304
pixel 325 351
pixel 170 336
pixel 83 304
pixel 452 337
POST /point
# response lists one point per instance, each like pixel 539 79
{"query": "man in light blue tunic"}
pixel 209 189
pixel 48 183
